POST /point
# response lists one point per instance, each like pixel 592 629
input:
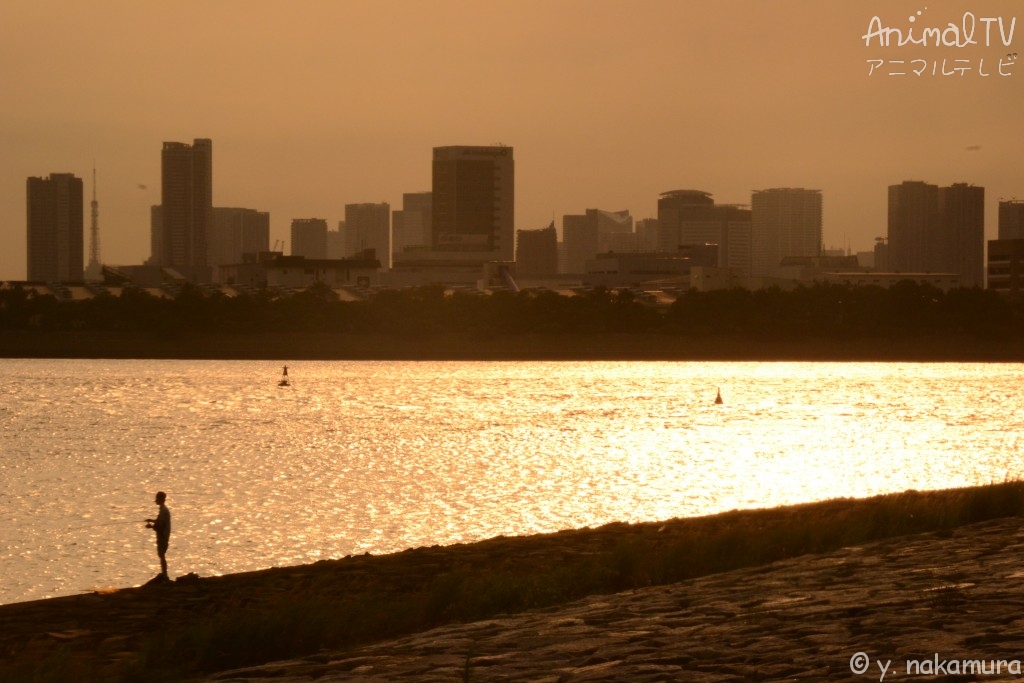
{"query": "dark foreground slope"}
pixel 943 606
pixel 195 625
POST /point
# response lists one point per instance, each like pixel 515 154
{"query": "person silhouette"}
pixel 162 526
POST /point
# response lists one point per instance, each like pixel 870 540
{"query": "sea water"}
pixel 357 457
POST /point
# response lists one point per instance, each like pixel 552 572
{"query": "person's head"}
pixel 160 497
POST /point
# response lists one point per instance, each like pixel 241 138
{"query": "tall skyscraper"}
pixel 938 230
pixel 309 238
pixel 187 207
pixel 785 221
pixel 474 202
pixel 688 218
pixel 55 228
pixel 913 227
pixel 962 245
pixel 1011 219
pixel 368 226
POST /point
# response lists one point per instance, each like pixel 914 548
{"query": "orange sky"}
pixel 314 104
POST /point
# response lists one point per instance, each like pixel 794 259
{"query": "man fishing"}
pixel 162 526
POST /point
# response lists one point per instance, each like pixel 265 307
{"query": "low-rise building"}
pixel 273 269
pixel 708 279
pixel 943 281
pixel 634 269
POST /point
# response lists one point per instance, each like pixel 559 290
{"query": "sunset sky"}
pixel 314 104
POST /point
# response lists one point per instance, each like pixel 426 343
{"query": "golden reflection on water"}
pixel 360 457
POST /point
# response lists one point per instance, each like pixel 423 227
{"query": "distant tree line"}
pixel 822 310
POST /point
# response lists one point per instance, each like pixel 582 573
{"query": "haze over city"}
pixel 314 105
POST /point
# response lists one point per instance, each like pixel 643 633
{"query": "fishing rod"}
pixel 93 526
pixel 120 522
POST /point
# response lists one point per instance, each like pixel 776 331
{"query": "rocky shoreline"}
pixel 946 607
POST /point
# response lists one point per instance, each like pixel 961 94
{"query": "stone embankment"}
pixel 938 607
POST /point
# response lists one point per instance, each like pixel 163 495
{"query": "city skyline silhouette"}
pixel 320 105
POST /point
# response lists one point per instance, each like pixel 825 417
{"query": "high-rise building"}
pixel 621 242
pixel 736 250
pixel 473 202
pixel 913 227
pixel 368 226
pixel 187 207
pixel 55 228
pixel 336 242
pixel 611 225
pixel 156 235
pixel 537 251
pixel 1011 219
pixel 1006 254
pixel 785 222
pixel 688 218
pixel 410 227
pixel 235 232
pixel 647 234
pixel 595 231
pixel 675 209
pixel 579 242
pixel 309 238
pixel 962 242
pixel 937 230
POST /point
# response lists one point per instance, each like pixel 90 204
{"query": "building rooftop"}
pixel 696 194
